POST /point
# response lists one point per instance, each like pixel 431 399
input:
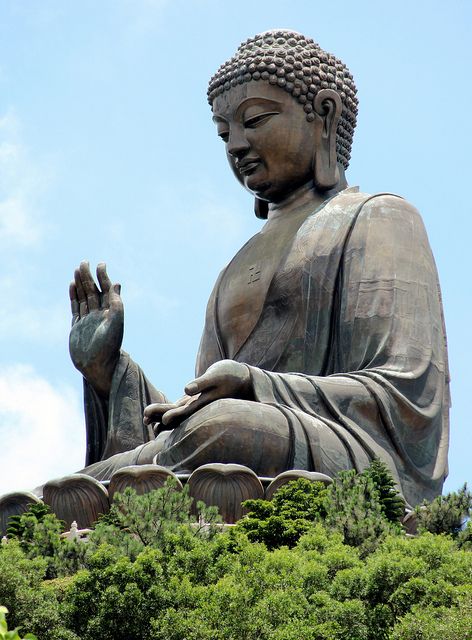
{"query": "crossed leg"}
pixel 227 431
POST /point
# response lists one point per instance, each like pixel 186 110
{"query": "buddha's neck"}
pixel 305 199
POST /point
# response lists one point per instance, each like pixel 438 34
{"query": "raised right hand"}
pixel 97 326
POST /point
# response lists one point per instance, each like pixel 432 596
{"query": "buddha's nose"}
pixel 237 144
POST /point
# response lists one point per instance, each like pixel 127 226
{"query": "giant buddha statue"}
pixel 324 342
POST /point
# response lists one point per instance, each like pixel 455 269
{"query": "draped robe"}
pixel 350 346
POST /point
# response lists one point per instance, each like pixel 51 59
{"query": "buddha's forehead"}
pixel 227 103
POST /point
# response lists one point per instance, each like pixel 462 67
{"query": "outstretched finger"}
pixel 90 288
pixel 74 302
pixel 154 412
pixel 115 302
pixel 81 297
pixel 104 282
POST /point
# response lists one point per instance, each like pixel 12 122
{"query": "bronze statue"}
pixel 324 342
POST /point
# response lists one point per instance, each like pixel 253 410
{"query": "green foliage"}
pixel 403 576
pixel 23 592
pixel 464 537
pixel 19 526
pixel 391 502
pixel 437 623
pixel 219 588
pixel 10 635
pixel 152 571
pixel 38 532
pixel 354 509
pixel 291 513
pixel 139 521
pixel 230 588
pixel 363 507
pixel 445 514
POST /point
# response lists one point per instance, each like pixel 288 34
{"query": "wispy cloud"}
pixel 21 184
pixel 41 428
pixel 24 180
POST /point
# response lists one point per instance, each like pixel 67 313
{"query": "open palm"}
pixel 97 326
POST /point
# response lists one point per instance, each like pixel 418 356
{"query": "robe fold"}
pixel 350 346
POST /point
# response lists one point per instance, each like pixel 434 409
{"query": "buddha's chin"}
pixel 258 186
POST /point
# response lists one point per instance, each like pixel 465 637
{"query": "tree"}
pixel 38 532
pixel 293 510
pixel 364 507
pixel 445 514
pixel 354 508
pixel 391 502
pixel 464 537
pixel 139 521
pixel 19 526
pixel 183 584
pixel 436 623
pixel 23 592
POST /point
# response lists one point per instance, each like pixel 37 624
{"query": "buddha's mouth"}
pixel 248 166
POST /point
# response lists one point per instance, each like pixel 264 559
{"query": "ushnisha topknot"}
pixel 298 65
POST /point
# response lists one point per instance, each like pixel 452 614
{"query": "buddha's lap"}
pixel 267 438
pixel 260 436
pixel 230 430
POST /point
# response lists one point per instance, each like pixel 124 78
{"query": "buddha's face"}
pixel 269 142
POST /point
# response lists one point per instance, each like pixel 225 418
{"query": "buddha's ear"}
pixel 328 109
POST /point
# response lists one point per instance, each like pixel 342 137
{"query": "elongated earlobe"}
pixel 261 209
pixel 328 108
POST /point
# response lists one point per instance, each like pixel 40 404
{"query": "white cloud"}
pixel 42 432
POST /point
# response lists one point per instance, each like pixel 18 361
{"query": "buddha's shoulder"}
pixel 379 205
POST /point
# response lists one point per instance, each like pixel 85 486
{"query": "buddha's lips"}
pixel 247 166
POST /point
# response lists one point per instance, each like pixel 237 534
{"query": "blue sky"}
pixel 108 152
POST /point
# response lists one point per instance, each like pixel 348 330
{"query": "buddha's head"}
pixel 286 111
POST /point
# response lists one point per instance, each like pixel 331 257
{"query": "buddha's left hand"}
pixel 224 379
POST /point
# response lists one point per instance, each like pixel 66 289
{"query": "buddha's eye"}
pixel 224 135
pixel 258 120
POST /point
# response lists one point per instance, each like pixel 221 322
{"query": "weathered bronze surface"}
pixel 143 479
pixel 14 504
pixel 225 486
pixel 324 343
pixel 77 498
